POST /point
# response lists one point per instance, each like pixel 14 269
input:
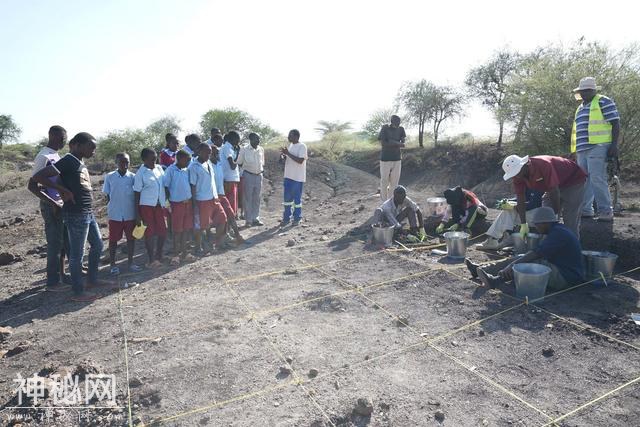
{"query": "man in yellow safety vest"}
pixel 594 139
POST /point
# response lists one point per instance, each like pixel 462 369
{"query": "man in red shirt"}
pixel 561 180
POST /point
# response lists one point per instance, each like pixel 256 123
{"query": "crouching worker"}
pixel 398 208
pixel 499 234
pixel 464 212
pixel 560 251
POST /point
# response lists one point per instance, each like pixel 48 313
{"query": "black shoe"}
pixel 488 280
pixel 65 279
pixel 284 223
pixel 473 268
pixel 295 222
pixel 257 223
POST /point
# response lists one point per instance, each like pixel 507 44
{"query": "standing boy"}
pixel 77 212
pixel 168 153
pixel 176 180
pixel 121 210
pixel 228 156
pixel 150 199
pixel 251 159
pixel 295 175
pixel 205 199
pixel 193 141
pixel 50 205
pixel 222 198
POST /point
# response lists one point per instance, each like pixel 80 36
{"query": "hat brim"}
pixel 507 176
pixel 578 89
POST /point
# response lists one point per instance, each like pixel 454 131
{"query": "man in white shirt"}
pixel 251 159
pixel 295 175
pixel 398 208
pixel 54 229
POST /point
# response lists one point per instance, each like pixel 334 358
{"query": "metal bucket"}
pixel 599 262
pixel 457 242
pixel 531 280
pixel 436 206
pixel 382 235
pixel 533 240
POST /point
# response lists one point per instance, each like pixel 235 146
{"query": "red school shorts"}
pixel 231 193
pixel 182 216
pixel 153 218
pixel 116 228
pixel 211 214
pixel 226 206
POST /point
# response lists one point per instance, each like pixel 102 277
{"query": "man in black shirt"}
pixel 74 187
pixel 391 138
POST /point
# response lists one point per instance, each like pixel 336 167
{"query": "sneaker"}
pixel 135 268
pixel 58 288
pixel 491 244
pixel 607 217
pixel 257 223
pixel 473 268
pixel 114 271
pixel 84 297
pixel 488 280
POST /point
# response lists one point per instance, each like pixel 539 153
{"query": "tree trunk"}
pixel 520 128
pixel 501 125
pixel 421 135
pixel 436 127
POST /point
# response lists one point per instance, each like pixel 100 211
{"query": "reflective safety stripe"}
pixel 298 206
pixel 599 129
pixel 288 203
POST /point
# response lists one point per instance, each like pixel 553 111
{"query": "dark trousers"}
pixel 54 231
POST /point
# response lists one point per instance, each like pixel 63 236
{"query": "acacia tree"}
pixel 9 130
pixel 326 126
pixel 159 128
pixel 490 82
pixel 446 103
pixel 227 119
pixel 415 99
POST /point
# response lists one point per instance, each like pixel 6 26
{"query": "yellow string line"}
pixel 126 353
pixel 429 342
pixel 594 401
pixel 217 404
pixel 490 381
pixel 296 377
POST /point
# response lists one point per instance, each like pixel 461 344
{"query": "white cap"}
pixel 512 165
pixel 586 84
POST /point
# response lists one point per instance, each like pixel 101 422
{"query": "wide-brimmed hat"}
pixel 542 215
pixel 512 165
pixel 587 83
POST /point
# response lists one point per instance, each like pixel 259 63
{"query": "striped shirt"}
pixel 609 111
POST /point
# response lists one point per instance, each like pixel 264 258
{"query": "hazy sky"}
pixel 95 66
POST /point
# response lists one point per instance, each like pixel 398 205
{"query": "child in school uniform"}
pixel 150 199
pixel 222 198
pixel 121 210
pixel 168 153
pixel 205 200
pixel 176 181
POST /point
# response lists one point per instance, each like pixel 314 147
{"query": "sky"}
pixel 99 66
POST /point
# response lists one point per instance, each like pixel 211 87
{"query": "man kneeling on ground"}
pixel 397 209
pixel 560 251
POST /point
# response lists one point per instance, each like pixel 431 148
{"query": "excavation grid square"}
pixel 551 364
pixel 367 271
pixel 437 303
pixel 410 388
pixel 276 292
pixel 215 365
pixel 335 332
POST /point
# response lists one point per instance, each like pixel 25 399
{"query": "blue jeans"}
pixel 54 233
pixel 80 228
pixel 292 199
pixel 594 162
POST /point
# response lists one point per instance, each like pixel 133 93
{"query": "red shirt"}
pixel 167 157
pixel 548 172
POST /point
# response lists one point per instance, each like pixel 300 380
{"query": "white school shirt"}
pixel 148 182
pixel 119 188
pixel 292 169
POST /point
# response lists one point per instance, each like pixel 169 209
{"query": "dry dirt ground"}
pixel 314 326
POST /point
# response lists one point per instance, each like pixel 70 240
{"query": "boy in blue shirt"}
pixel 121 210
pixel 204 197
pixel 176 181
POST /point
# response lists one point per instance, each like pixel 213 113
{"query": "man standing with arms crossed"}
pixel 391 137
pixel 594 138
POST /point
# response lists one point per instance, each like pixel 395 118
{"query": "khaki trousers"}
pixel 389 178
